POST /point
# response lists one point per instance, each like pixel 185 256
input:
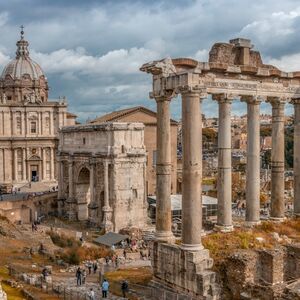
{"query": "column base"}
pixel 191 247
pixel 165 236
pixel 277 219
pixel 250 224
pixel 223 228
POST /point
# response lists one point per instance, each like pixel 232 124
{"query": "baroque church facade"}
pixel 29 123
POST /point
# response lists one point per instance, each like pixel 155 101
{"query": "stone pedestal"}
pixel 71 209
pixel 107 224
pixel 182 271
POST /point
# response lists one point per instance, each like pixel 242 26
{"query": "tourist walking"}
pixel 95 267
pixel 105 287
pixel 83 276
pixel 91 295
pixel 90 268
pixel 78 276
pixel 124 288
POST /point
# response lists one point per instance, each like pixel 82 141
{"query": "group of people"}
pixel 105 288
pixel 81 272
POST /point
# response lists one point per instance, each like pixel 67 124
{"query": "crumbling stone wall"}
pixel 263 274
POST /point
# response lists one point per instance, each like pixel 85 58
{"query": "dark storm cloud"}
pixel 91 50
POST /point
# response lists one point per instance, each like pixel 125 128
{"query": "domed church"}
pixel 29 123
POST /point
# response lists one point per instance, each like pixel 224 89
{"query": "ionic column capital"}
pixel 255 100
pixel 224 97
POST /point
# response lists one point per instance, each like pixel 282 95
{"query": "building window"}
pixel 33 127
pixel 8 97
pixel 154 158
pixel 83 141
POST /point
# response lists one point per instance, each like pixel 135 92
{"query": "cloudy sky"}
pixel 91 50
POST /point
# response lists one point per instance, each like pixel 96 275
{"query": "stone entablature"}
pixel 102 171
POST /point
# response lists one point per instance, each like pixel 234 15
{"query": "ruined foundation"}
pixel 178 271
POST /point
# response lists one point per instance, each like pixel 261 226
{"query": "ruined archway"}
pixel 83 193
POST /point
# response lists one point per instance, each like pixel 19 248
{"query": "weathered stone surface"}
pixel 184 271
pixel 263 274
pixel 102 177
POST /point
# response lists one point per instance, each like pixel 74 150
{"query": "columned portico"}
pixel 163 171
pixel 253 161
pixel 224 181
pixel 277 159
pixel 296 103
pixel 192 170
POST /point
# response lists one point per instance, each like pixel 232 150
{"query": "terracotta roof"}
pixel 117 115
pixel 71 115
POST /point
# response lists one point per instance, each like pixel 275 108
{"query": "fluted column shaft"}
pixel 24 163
pixel 106 191
pixel 277 159
pixel 224 184
pixel 60 177
pixel 16 164
pixel 296 103
pixel 52 155
pixel 191 171
pixel 253 162
pixel 92 181
pixel 163 171
pixel 107 224
pixel 71 179
pixel 44 164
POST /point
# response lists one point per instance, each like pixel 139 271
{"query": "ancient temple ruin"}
pixel 234 71
pixel 102 174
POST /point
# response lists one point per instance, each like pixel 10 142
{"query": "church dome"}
pixel 22 64
pixel 23 80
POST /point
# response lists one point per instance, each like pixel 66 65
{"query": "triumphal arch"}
pixel 234 71
pixel 102 174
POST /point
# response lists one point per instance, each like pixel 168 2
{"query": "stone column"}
pixel 60 177
pixel 51 123
pixel 253 161
pixel 92 180
pixel 92 206
pixel 163 171
pixel 296 103
pixel 16 177
pixel 107 211
pixel 44 164
pixel 71 179
pixel 192 170
pixel 224 185
pixel 24 164
pixel 277 159
pixel 52 175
